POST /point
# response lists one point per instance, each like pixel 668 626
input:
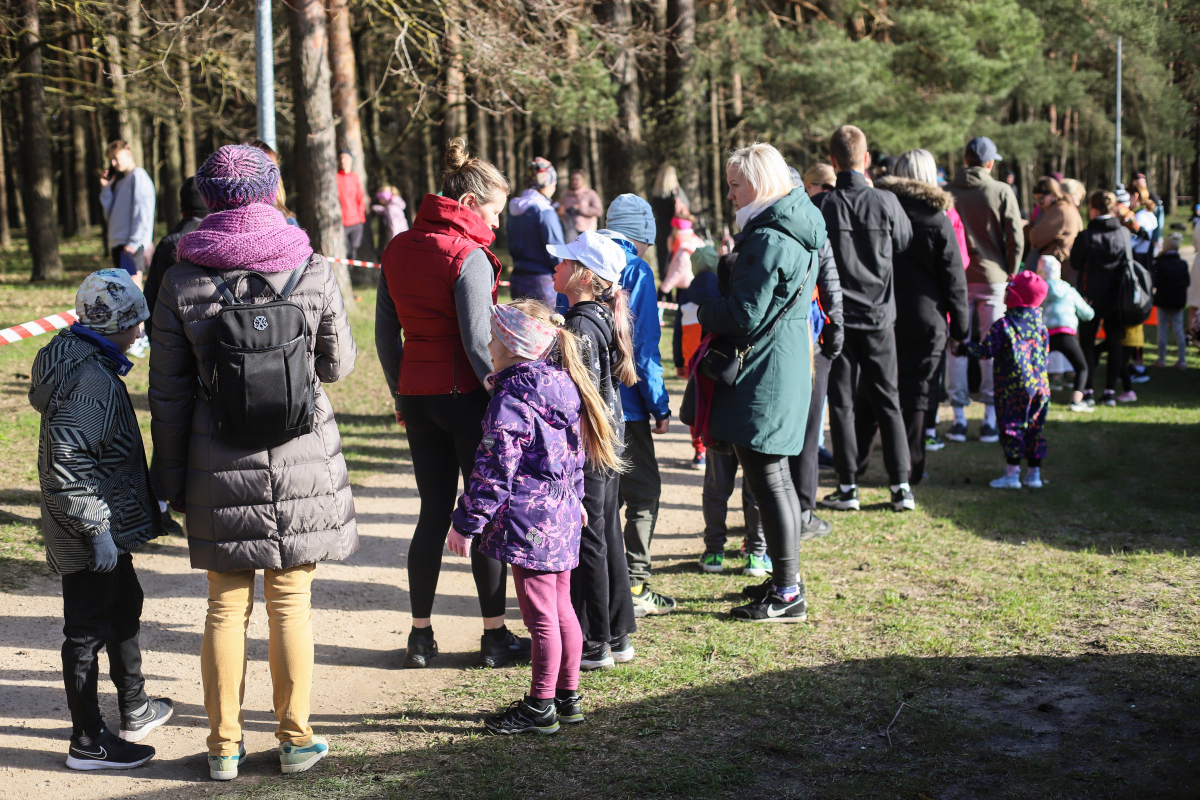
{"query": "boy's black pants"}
pixel 102 609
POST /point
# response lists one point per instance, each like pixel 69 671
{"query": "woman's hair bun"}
pixel 456 154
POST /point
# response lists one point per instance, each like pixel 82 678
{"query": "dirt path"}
pixel 358 625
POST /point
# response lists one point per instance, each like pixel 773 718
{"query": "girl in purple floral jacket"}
pixel 524 499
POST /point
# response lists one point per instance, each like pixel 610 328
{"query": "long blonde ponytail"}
pixel 617 300
pixel 600 441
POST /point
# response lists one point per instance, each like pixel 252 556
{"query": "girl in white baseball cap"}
pixel 589 275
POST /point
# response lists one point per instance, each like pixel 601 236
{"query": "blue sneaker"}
pixel 698 462
pixel 293 758
pixel 225 768
pixel 712 562
pixel 757 566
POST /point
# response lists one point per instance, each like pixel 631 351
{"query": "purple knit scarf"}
pixel 254 237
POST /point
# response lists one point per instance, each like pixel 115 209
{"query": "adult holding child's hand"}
pixel 764 315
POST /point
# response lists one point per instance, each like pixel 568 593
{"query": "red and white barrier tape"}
pixel 27 330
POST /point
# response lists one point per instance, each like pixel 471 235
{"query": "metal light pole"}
pixel 264 73
pixel 1117 171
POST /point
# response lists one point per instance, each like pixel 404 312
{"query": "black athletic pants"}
pixel 868 358
pixel 600 584
pixel 916 370
pixel 1068 345
pixel 1114 334
pixel 102 609
pixel 804 467
pixel 443 435
pixel 770 480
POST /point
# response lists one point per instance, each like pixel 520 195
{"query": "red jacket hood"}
pixel 443 215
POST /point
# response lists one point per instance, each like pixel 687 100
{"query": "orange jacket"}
pixel 352 197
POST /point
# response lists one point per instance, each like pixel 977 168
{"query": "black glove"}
pixel 104 553
pixel 832 339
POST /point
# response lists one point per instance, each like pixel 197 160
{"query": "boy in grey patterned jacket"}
pixel 97 506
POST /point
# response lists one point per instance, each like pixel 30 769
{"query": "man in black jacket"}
pixel 866 227
pixel 194 209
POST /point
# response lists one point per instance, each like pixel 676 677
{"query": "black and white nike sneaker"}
pixel 903 500
pixel 157 711
pixel 773 608
pixel 105 751
pixel 842 501
pixel 596 655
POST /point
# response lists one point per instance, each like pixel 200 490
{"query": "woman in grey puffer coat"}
pixel 279 509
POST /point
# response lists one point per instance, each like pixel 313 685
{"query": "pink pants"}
pixel 545 600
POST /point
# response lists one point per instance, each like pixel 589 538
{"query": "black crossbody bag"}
pixel 723 360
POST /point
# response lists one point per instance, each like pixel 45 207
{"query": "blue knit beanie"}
pixel 237 175
pixel 631 216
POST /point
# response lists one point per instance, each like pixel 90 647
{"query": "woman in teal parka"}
pixel 763 414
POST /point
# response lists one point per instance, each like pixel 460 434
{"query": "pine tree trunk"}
pixel 5 232
pixel 174 159
pixel 455 121
pixel 627 157
pixel 187 116
pixel 681 92
pixel 344 86
pixel 65 199
pixel 35 149
pixel 597 170
pixel 481 139
pixel 316 138
pixel 374 141
pixel 714 111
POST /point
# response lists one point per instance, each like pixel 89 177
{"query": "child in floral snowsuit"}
pixel 1018 345
pixel 524 501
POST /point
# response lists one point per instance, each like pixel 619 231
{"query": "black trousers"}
pixel 916 370
pixel 937 394
pixel 102 609
pixel 1114 334
pixel 1068 345
pixel 354 237
pixel 770 480
pixel 138 259
pixel 600 584
pixel 804 467
pixel 443 435
pixel 868 360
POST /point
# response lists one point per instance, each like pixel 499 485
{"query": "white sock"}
pixel 960 415
pixel 931 432
pixel 846 487
pixel 900 486
pixel 162 507
pixel 989 416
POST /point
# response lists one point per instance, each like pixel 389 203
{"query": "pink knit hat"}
pixel 237 175
pixel 1025 290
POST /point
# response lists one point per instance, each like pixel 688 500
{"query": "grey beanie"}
pixel 631 216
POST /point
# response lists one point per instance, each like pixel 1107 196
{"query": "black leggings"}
pixel 774 492
pixel 1114 334
pixel 1068 345
pixel 443 434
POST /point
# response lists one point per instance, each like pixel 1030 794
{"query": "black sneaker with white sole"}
pixel 957 432
pixel 757 592
pixel 813 527
pixel 105 751
pixel 157 711
pixel 596 655
pixel 509 650
pixel 622 649
pixel 903 500
pixel 421 648
pixel 988 434
pixel 523 717
pixel 773 608
pixel 842 501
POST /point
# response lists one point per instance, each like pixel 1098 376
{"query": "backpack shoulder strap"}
pixel 297 274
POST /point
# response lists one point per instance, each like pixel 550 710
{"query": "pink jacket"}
pixel 960 233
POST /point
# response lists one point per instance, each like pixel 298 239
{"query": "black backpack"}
pixel 262 382
pixel 1137 290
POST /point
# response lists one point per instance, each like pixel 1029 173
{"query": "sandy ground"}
pixel 360 622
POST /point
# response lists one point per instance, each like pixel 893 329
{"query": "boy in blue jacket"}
pixel 631 225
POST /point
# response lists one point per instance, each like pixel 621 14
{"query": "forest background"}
pixel 616 88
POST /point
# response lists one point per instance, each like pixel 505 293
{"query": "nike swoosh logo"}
pixel 101 755
pixel 771 612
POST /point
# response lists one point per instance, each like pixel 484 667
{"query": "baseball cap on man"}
pixel 982 149
pixel 598 253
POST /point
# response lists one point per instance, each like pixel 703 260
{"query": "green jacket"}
pixel 766 409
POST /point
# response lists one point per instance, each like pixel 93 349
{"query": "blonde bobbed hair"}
pixel 763 166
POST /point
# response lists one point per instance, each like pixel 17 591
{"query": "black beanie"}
pixel 191 204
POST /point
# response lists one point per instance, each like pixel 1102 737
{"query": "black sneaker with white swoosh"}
pixel 773 608
pixel 105 751
pixel 158 710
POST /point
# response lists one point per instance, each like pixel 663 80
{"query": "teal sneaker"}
pixel 224 768
pixel 712 562
pixel 301 759
pixel 757 566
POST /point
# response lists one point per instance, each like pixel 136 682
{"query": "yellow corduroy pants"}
pixel 290 653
